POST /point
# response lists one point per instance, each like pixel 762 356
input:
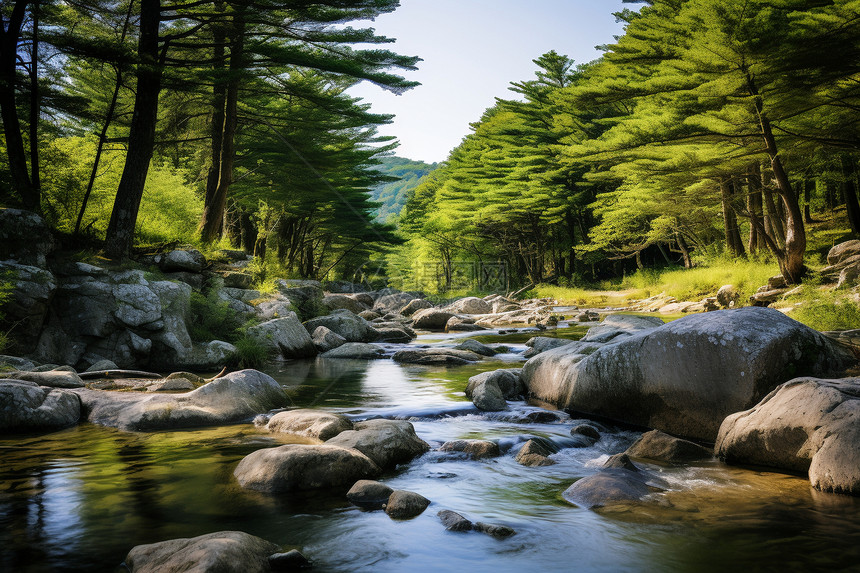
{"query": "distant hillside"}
pixel 393 195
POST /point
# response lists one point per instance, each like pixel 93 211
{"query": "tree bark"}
pixel 849 192
pixel 9 38
pixel 141 140
pixel 35 106
pixel 219 97
pixel 730 221
pixel 755 209
pixel 213 213
pixel 808 187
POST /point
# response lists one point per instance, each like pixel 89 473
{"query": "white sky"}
pixel 472 50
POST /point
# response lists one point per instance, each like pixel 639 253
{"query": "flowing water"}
pixel 79 499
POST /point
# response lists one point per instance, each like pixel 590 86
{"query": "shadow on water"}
pixel 79 499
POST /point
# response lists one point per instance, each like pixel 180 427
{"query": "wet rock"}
pixel 586 430
pixel 458 324
pixel 345 323
pixel 659 446
pixel 805 425
pixel 221 552
pixel 453 521
pixel 232 398
pixel 341 301
pixel 406 504
pixel 51 378
pixel 544 417
pixel 497 531
pixel 415 305
pixel 26 407
pixel 540 344
pixel 292 560
pixel 608 487
pixel 386 442
pixel 508 380
pixel 302 467
pixel 487 396
pixel 620 461
pixel 536 452
pixel 684 377
pixel 324 339
pixel 470 305
pixel 355 350
pixel 431 319
pixel 475 449
pixel 16 363
pixel 102 365
pixel 284 336
pixel 309 423
pixel 472 345
pixel 369 494
pixel 433 355
pixel 392 302
pixel 394 334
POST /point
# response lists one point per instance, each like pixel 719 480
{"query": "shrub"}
pixel 249 354
pixel 212 319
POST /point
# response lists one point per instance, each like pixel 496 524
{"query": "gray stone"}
pixel 302 467
pixel 51 379
pixel 431 319
pixel 369 494
pixel 659 446
pixel 415 305
pixel 475 449
pixel 369 315
pixel 470 305
pixel 434 355
pixel 309 423
pixel 324 339
pixel 497 531
pixel 386 442
pixel 460 324
pixel 355 350
pixel 102 365
pixel 620 461
pixel 535 452
pixel 508 380
pixel 284 336
pixel 685 377
pixel 540 344
pixel 805 425
pixel 842 251
pixel 608 487
pixel 487 396
pixel 453 521
pixel 27 407
pixel 292 560
pixel 393 302
pixel 275 306
pixel 728 296
pixel 394 334
pixel 472 345
pixel 190 260
pixel 341 301
pixel 345 323
pixel 176 385
pixel 26 310
pixel 238 396
pixel 616 325
pixel 236 279
pixel 406 504
pixel 16 363
pixel 221 552
pixel 586 430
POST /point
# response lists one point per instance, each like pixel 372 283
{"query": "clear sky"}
pixel 472 50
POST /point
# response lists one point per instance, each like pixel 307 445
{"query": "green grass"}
pixel 249 354
pixel 212 319
pixel 824 310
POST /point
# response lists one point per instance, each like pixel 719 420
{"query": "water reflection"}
pixel 78 500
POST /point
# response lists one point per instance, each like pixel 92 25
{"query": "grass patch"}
pixel 827 312
pixel 212 319
pixel 248 354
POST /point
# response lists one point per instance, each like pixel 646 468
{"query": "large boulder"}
pixel 369 494
pixel 661 447
pixel 284 336
pixel 187 260
pixel 393 302
pixel 685 377
pixel 300 467
pixel 540 344
pixel 26 407
pixel 51 378
pixel 324 339
pixel 309 423
pixel 306 296
pixel 232 398
pixel 805 425
pixel 345 323
pixel 415 305
pixel 25 237
pixel 355 350
pixel 386 442
pixel 221 552
pixel 470 305
pixel 431 319
pixel 341 301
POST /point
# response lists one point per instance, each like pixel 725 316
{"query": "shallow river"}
pixel 79 499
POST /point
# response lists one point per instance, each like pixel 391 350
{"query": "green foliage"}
pixel 406 175
pixel 826 312
pixel 7 285
pixel 249 354
pixel 212 319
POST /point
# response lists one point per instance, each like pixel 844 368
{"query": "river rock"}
pixel 305 296
pixel 535 452
pixel 302 467
pixel 661 447
pixel 16 363
pixel 392 302
pixel 586 430
pixel 221 552
pixel 25 237
pixel 624 325
pixel 607 487
pixel 497 531
pixel 355 350
pixel 232 398
pixel 806 424
pixel 685 377
pixel 51 379
pixel 386 442
pixel 324 339
pixel 431 319
pixel 406 504
pixel 369 315
pixel 26 407
pixel 435 356
pixel 341 301
pixel 369 494
pixel 284 336
pixel 472 345
pixel 309 423
pixel 540 344
pixel 453 521
pixel 415 305
pixel 475 449
pixel 461 324
pixel 394 334
pixel 102 364
pixel 470 305
pixel 345 323
pixel 292 560
pixel 508 380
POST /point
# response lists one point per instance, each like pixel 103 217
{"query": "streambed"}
pixel 79 499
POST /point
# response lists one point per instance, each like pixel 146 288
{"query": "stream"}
pixel 80 499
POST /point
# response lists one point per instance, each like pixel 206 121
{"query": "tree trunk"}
pixel 141 138
pixel 219 98
pixel 685 250
pixel 35 106
pixel 849 192
pixel 730 221
pixel 213 212
pixel 10 34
